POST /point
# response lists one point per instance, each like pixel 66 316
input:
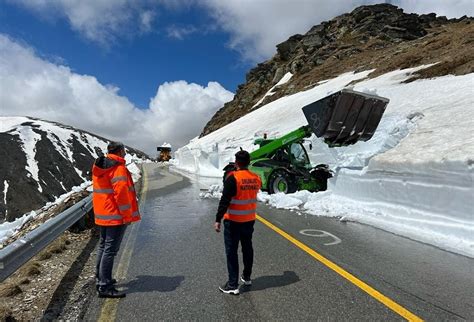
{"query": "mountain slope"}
pixel 380 37
pixel 41 160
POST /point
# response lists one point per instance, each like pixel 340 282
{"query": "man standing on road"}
pixel 115 206
pixel 238 206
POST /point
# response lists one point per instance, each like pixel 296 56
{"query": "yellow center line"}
pixel 348 276
pixel 108 312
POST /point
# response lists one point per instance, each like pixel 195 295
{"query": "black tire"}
pixel 281 181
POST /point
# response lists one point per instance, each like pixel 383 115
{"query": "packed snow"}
pixel 413 178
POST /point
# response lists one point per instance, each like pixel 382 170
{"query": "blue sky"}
pixel 136 64
pixel 149 71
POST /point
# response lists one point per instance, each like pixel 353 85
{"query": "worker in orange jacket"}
pixel 115 206
pixel 238 206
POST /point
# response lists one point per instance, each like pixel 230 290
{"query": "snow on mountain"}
pixel 413 178
pixel 42 160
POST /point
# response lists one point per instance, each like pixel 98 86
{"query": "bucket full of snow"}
pixel 345 117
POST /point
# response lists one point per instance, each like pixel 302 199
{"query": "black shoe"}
pixel 114 281
pixel 246 281
pixel 112 293
pixel 229 289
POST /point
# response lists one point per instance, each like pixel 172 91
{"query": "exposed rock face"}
pixel 380 36
pixel 62 157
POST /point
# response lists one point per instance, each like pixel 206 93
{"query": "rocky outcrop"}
pixel 379 36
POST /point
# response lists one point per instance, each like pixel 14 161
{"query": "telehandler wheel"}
pixel 281 181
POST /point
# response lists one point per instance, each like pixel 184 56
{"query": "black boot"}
pixel 97 286
pixel 111 293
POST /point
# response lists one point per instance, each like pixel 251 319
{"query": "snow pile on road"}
pixel 414 177
pixel 214 192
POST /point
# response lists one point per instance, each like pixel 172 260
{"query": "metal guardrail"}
pixel 23 249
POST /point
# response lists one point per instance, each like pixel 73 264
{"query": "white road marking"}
pixel 321 233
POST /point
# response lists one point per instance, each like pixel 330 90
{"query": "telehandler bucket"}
pixel 345 117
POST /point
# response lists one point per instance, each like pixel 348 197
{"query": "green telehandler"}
pixel 341 119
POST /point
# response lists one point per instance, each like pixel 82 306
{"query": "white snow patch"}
pixel 5 191
pixel 270 92
pixel 280 200
pixel 29 139
pixel 8 229
pixel 166 145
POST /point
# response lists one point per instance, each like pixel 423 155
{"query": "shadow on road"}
pixel 264 282
pixel 148 283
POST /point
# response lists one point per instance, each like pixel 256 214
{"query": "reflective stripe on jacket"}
pixel 243 205
pixel 114 198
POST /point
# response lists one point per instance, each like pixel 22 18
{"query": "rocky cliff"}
pixel 380 37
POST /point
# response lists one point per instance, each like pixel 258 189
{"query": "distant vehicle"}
pixel 342 119
pixel 165 153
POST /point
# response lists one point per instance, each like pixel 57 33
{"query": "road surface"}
pixel 305 267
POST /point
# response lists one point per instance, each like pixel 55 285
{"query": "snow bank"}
pixel 8 229
pixel 413 178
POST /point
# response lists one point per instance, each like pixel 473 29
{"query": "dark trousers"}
pixel 233 233
pixel 109 245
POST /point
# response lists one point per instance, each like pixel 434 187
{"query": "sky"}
pixel 149 71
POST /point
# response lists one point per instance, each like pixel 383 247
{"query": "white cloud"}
pixel 101 21
pixel 185 108
pixel 34 87
pixel 256 27
pixel 180 32
pixel 146 20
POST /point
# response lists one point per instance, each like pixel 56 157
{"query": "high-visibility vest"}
pixel 243 205
pixel 114 198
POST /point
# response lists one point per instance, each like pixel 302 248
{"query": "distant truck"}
pixel 165 153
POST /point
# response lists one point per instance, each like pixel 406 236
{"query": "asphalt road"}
pixel 172 263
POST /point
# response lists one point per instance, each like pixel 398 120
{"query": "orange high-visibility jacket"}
pixel 243 205
pixel 114 198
